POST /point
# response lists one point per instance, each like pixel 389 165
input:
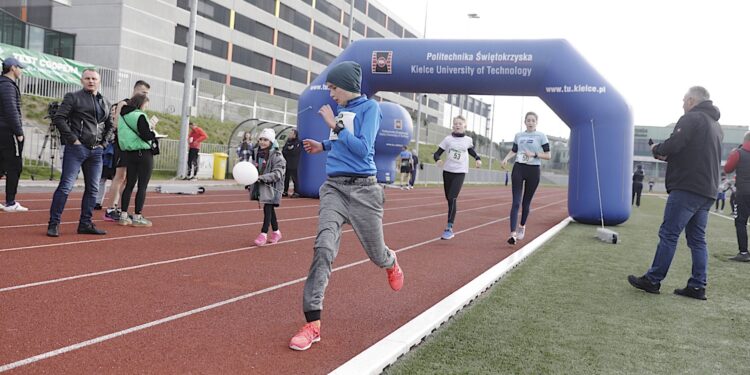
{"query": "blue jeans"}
pixel 688 211
pixel 75 158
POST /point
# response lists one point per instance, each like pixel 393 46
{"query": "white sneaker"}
pixel 2 206
pixel 521 233
pixel 15 208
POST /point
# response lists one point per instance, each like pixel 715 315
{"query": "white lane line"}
pixel 177 231
pixel 154 323
pixel 129 268
pixel 208 212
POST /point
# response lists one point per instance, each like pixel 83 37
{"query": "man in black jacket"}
pixel 693 156
pixel 291 152
pixel 85 127
pixel 11 132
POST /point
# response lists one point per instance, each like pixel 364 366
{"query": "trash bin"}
pixel 220 165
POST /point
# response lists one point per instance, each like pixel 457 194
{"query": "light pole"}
pixel 186 88
pixel 419 96
pixel 492 129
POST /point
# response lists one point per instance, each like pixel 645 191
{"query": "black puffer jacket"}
pixel 10 111
pixel 693 151
pixel 78 119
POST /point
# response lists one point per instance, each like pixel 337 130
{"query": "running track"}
pixel 193 295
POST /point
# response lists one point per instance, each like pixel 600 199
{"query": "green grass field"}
pixel 569 309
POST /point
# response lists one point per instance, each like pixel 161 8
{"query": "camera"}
pixel 52 109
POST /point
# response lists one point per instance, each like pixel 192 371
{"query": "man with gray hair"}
pixel 739 163
pixel 693 156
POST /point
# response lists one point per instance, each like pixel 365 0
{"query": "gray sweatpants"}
pixel 344 200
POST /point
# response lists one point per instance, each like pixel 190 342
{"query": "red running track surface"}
pixel 193 294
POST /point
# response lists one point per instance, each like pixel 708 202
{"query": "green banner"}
pixel 42 65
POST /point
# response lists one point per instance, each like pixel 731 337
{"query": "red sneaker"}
pixel 306 336
pixel 395 275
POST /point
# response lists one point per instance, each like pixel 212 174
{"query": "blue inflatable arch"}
pixel 550 69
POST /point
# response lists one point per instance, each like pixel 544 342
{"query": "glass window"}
pixel 285 94
pixel 328 9
pixel 288 43
pixel 359 27
pixel 361 5
pixel 326 33
pixel 292 16
pixel 12 30
pixel 395 28
pixel 35 39
pixel 203 43
pixel 408 34
pixel 322 57
pixel 267 5
pixel 283 69
pixel 67 46
pixel 313 76
pixel 377 15
pixel 208 9
pixel 249 85
pixel 299 75
pixel 433 104
pixel 178 73
pixel 253 28
pixel 252 59
pixel 373 34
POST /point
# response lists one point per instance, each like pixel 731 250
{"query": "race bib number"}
pixel 347 120
pixel 455 154
pixel 522 157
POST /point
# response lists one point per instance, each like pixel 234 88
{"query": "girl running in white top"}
pixel 529 147
pixel 456 165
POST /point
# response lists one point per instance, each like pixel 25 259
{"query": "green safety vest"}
pixel 127 132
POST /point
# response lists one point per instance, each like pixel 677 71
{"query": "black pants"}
pixel 140 164
pixel 637 190
pixel 740 222
pixel 269 217
pixel 290 173
pixel 192 169
pixel 452 183
pixel 524 181
pixel 11 163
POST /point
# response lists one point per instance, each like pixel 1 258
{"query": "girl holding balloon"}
pixel 267 182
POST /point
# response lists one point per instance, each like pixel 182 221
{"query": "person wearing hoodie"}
pixel 350 194
pixel 693 156
pixel 267 190
pixel 135 137
pixel 739 163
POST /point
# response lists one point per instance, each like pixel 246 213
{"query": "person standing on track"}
pixel 271 167
pixel 351 193
pixel 455 168
pixel 529 148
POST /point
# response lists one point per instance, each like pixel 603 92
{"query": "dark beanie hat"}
pixel 346 75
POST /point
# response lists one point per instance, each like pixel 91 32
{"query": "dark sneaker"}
pixel 512 240
pixel 741 257
pixel 112 215
pixel 284 194
pixel 295 195
pixel 644 284
pixel 90 229
pixel 697 293
pixel 98 207
pixel 53 230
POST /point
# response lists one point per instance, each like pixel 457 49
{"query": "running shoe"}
pixel 395 275
pixel 447 234
pixel 303 340
pixel 275 236
pixel 512 240
pixel 140 221
pixel 521 233
pixel 16 207
pixel 261 239
pixel 112 214
pixel 124 219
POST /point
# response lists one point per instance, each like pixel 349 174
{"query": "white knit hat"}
pixel 268 134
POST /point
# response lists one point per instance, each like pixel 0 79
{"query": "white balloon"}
pixel 245 173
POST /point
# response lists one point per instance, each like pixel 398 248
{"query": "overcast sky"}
pixel 651 51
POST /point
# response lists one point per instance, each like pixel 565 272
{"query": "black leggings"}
pixel 193 162
pixel 140 164
pixel 269 217
pixel 525 179
pixel 452 183
pixel 290 174
pixel 637 190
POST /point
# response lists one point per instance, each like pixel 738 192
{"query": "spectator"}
pixel 637 186
pixel 721 196
pixel 245 149
pixel 693 156
pixel 414 163
pixel 739 162
pixel 291 153
pixel 118 161
pixel 136 137
pixel 650 185
pixel 85 125
pixel 11 133
pixel 271 164
pixel 196 136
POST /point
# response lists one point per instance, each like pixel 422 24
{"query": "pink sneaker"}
pixel 306 336
pixel 395 275
pixel 275 236
pixel 261 239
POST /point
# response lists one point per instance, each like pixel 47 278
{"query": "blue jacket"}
pixel 10 110
pixel 353 154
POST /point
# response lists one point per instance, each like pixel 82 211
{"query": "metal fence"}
pixel 229 103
